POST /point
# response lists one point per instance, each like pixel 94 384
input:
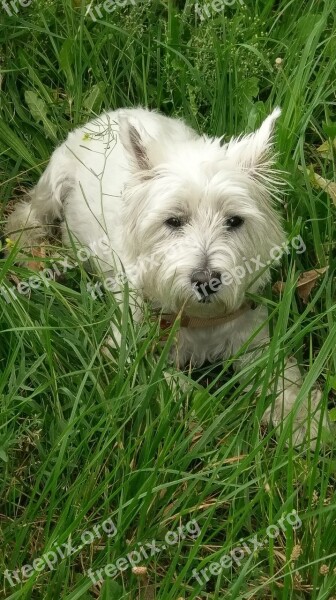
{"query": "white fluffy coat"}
pixel 117 183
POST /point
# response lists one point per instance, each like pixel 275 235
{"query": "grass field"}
pixel 86 442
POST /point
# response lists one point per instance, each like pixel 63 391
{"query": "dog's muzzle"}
pixel 205 283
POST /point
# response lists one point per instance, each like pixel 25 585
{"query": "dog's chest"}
pixel 200 345
pixel 220 342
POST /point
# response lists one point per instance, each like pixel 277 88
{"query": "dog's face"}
pixel 199 221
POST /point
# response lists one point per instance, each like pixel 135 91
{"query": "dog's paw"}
pixel 177 381
pixel 306 421
pixel 111 343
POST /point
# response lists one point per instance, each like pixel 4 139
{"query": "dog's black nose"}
pixel 206 282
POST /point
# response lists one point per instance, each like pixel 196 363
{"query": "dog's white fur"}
pixel 123 176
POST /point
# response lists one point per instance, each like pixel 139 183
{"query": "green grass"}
pixel 83 438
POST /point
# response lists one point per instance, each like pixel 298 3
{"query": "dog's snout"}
pixel 206 282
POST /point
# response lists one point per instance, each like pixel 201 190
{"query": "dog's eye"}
pixel 234 222
pixel 174 222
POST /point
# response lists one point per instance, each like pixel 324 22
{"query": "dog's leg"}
pixel 114 340
pixel 31 221
pixel 307 416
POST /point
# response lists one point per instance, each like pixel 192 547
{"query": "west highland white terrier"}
pixel 183 217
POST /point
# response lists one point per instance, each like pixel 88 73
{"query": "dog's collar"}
pixel 167 320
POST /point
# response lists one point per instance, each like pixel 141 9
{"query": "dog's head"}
pixel 199 221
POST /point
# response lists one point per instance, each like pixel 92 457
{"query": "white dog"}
pixel 183 216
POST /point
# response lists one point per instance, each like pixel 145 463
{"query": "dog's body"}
pixel 181 215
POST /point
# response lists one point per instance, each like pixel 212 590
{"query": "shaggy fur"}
pixel 175 211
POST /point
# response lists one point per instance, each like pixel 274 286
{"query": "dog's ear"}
pixel 135 140
pixel 253 151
